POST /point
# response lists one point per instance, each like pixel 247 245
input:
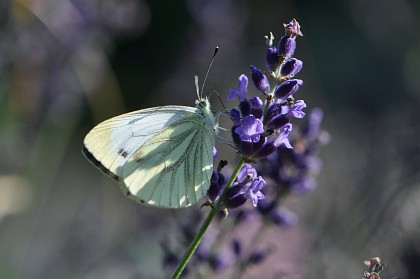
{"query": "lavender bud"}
pixel 291 67
pixel 273 111
pixel 287 46
pixel 256 107
pixel 278 121
pixel 236 247
pixel 272 59
pixel 217 182
pixel 266 150
pixel 265 207
pixel 258 256
pixel 217 262
pixel 245 107
pixel 260 80
pixel 170 260
pixel 235 116
pixel 283 217
pixel 235 196
pixel 287 88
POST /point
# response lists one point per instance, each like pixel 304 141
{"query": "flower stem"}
pixel 196 241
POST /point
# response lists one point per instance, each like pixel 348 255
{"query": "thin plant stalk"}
pixel 196 241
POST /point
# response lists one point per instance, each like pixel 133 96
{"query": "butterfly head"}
pixel 202 104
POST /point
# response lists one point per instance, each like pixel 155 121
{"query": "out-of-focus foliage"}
pixel 65 65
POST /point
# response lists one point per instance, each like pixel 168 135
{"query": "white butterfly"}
pixel 163 156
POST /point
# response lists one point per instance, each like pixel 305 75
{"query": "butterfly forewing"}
pixel 111 143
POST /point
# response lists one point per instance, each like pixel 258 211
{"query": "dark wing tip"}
pixel 98 164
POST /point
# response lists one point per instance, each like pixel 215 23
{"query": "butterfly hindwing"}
pixel 173 168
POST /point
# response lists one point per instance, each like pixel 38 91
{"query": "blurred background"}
pixel 66 65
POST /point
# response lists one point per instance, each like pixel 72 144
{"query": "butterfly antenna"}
pixel 218 96
pixel 197 87
pixel 208 70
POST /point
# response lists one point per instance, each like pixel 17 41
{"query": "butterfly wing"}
pixel 173 168
pixel 111 143
pixel 163 155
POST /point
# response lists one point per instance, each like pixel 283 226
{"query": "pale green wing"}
pixel 111 143
pixel 173 168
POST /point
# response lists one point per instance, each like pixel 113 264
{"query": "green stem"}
pixel 196 241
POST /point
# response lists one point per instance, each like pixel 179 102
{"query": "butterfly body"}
pixel 163 156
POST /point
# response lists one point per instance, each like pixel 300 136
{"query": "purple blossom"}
pixel 296 109
pixel 246 174
pixel 283 138
pixel 239 92
pixel 253 192
pixel 250 129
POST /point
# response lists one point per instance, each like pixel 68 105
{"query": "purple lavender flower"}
pixel 247 185
pixel 283 138
pixel 247 136
pixel 246 174
pixel 239 92
pixel 260 80
pixel 296 109
pixel 253 192
pixel 250 129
